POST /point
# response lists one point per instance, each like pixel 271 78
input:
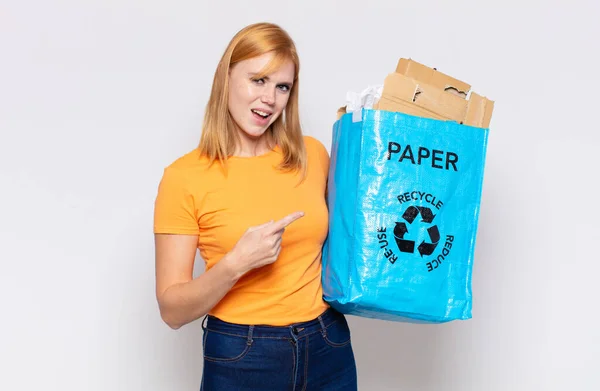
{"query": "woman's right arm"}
pixel 182 298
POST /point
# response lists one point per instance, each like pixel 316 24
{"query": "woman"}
pixel 251 198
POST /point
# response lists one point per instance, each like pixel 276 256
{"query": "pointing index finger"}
pixel 287 220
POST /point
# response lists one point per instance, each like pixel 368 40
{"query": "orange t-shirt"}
pixel 196 199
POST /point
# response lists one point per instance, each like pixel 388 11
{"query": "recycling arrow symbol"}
pixel 413 211
pixel 427 248
pixel 400 230
pixel 406 246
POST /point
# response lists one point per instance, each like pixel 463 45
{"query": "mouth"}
pixel 261 114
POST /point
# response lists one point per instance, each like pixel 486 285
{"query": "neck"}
pixel 250 146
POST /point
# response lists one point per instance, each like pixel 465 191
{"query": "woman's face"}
pixel 254 103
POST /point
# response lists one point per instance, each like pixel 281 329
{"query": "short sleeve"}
pixel 174 207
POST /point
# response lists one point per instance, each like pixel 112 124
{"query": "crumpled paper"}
pixel 363 100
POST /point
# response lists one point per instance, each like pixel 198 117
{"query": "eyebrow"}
pixel 253 74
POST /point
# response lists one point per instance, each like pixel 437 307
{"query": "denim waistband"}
pixel 298 330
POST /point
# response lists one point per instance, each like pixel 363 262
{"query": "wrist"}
pixel 232 262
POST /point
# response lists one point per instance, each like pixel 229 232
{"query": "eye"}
pixel 259 81
pixel 284 87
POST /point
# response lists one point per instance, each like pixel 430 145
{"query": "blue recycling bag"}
pixel 404 195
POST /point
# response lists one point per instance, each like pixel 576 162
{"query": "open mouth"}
pixel 261 114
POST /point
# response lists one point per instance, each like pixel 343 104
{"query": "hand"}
pixel 260 245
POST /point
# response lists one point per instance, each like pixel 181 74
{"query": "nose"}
pixel 268 96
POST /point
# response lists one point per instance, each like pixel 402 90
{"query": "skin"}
pixel 270 95
pixel 181 298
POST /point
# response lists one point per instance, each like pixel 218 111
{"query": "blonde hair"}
pixel 219 137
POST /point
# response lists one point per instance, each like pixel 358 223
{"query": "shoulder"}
pixel 180 171
pixel 314 146
pixel 316 150
pixel 189 161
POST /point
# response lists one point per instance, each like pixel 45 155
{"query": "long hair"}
pixel 219 135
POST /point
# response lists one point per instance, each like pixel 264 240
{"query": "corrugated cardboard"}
pixel 479 111
pixel 408 92
pixel 390 104
pixel 431 76
pixel 416 89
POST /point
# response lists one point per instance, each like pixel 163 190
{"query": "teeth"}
pixel 261 113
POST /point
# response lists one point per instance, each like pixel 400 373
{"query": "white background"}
pixel 97 97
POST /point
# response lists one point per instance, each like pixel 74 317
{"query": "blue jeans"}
pixel 313 355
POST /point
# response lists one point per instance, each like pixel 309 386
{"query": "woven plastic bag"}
pixel 404 197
